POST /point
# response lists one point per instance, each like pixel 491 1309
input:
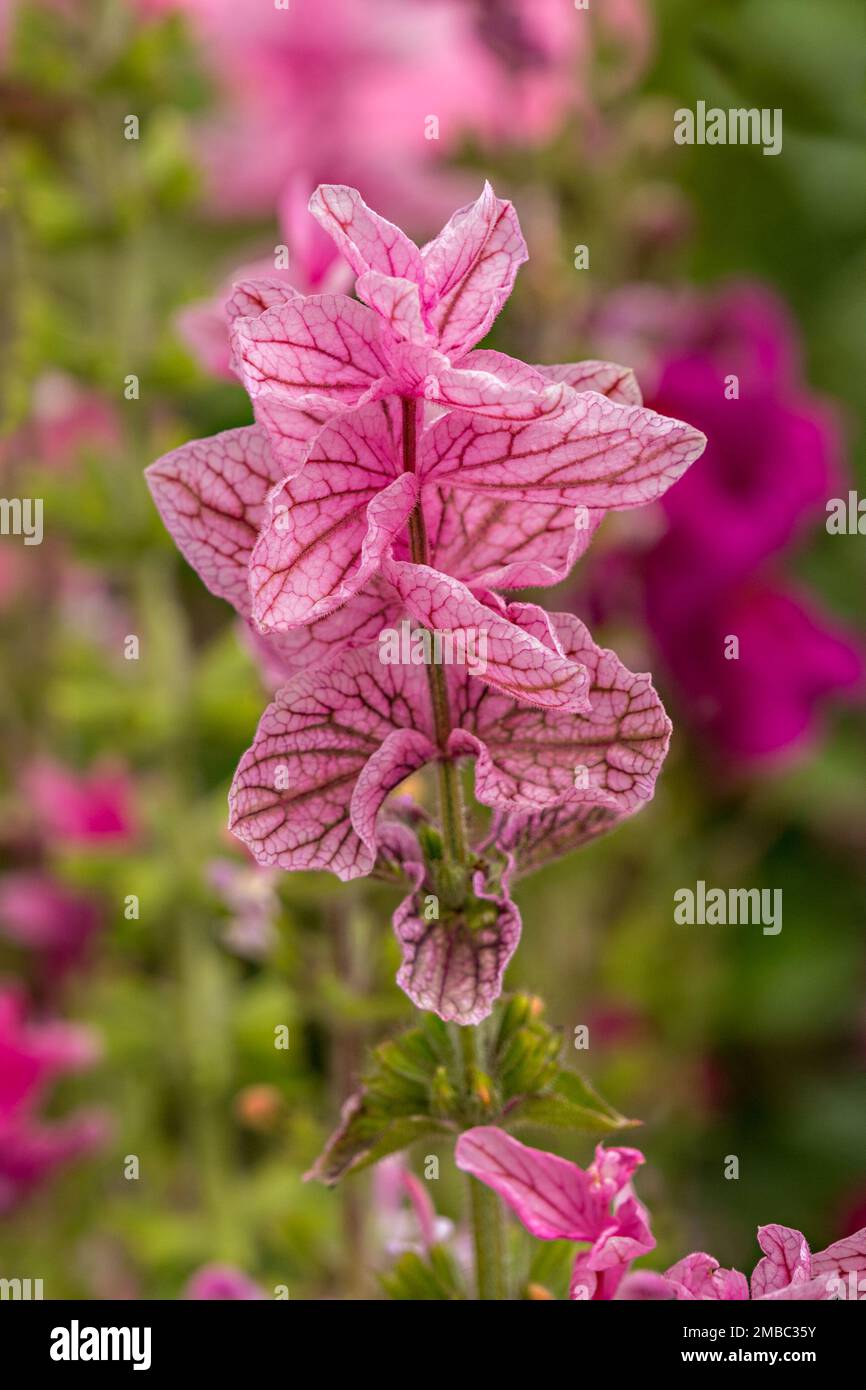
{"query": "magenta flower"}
pixel 556 1200
pixel 223 1283
pixel 772 460
pixel 357 521
pixel 788 1271
pixel 43 915
pixel 338 740
pixel 405 1216
pixel 91 808
pixel 32 1055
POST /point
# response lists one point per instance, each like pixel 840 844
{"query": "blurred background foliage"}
pixel 719 1039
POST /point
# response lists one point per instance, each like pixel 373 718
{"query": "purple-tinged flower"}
pixel 398 475
pixel 32 1056
pixel 730 362
pixel 46 917
pixel 405 1216
pixel 557 1200
pixel 338 740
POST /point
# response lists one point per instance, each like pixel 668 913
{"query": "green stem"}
pixel 488 1227
pixel 450 794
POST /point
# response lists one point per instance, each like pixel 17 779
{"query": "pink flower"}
pixel 314 267
pixel 788 1271
pixel 792 659
pixel 556 1200
pixel 353 90
pixel 222 1282
pixel 405 1216
pixel 80 808
pixel 32 1055
pixel 43 915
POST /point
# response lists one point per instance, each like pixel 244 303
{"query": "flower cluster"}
pixel 351 88
pixel 397 472
pixel 556 1200
pixel 729 362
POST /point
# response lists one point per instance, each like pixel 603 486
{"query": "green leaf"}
pixel 571 1103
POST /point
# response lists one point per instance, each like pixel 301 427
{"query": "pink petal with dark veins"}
pixel 328 528
pixel 322 345
pixel 786 1260
pixel 842 1256
pixel 398 301
pixel 503 544
pixel 368 241
pixel 297 798
pixel 469 270
pixel 607 378
pixel 594 454
pixel 453 964
pixel 553 1198
pixel 496 650
pixel 533 759
pixel 211 495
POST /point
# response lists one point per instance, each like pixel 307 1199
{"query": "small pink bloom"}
pixel 91 808
pixel 787 1271
pixel 32 1056
pixel 556 1200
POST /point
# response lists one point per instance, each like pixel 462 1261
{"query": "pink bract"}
pixel 396 478
pixel 556 1200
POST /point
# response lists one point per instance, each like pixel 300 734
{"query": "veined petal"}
pixel 322 345
pixel 469 270
pixel 553 1198
pixel 537 838
pixel 357 624
pixel 368 241
pixel 454 961
pixel 249 298
pixel 211 495
pixel 328 527
pixel 398 301
pixel 486 641
pixel 842 1257
pixel 593 454
pixel 787 1260
pixel 501 544
pixel 536 759
pixel 298 799
pixel 607 378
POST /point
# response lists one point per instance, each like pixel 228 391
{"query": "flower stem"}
pixel 488 1229
pixel 450 794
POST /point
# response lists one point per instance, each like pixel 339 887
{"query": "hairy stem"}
pixel 488 1227
pixel 450 794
